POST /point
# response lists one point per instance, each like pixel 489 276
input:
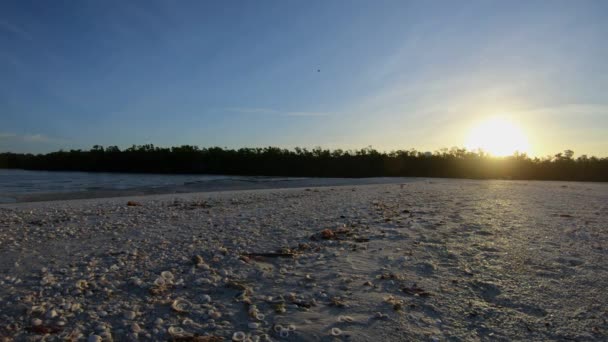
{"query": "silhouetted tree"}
pixel 318 162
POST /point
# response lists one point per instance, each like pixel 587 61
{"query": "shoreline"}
pixel 253 183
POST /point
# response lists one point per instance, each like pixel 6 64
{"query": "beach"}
pixel 430 260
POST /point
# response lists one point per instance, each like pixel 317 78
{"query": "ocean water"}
pixel 23 181
pixel 23 185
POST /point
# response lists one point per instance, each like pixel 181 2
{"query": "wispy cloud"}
pixel 306 114
pixel 270 111
pixel 248 110
pixel 29 138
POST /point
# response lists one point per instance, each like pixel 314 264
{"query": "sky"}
pixel 336 74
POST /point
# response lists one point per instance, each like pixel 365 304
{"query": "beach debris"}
pixel 44 329
pixel 280 308
pixel 133 204
pixel 330 234
pixel 395 302
pixel 414 290
pixel 338 302
pixel 270 255
pixel 390 276
pixel 198 260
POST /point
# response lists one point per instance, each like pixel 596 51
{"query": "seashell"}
pixel 291 327
pixel 284 333
pixel 259 316
pixel 178 332
pixel 181 305
pixel 345 319
pixel 167 276
pixel 135 328
pixel 239 336
pixel 36 322
pixel 277 328
pixel 82 284
pixel 253 325
pixel 336 331
pixel 160 281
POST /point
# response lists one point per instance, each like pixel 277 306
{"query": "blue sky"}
pixel 393 74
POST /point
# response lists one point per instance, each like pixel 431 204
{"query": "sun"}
pixel 497 136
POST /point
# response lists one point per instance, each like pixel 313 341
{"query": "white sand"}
pixel 442 260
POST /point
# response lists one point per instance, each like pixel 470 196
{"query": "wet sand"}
pixel 442 260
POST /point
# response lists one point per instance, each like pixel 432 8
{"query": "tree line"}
pixel 316 162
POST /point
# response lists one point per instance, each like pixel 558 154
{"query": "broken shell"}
pixel 82 284
pixel 51 314
pixel 181 305
pixel 380 315
pixel 198 260
pixel 167 275
pixel 160 281
pixel 253 325
pixel 239 336
pixel 345 319
pixel 336 331
pixel 291 327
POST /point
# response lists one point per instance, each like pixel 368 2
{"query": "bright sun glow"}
pixel 498 137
